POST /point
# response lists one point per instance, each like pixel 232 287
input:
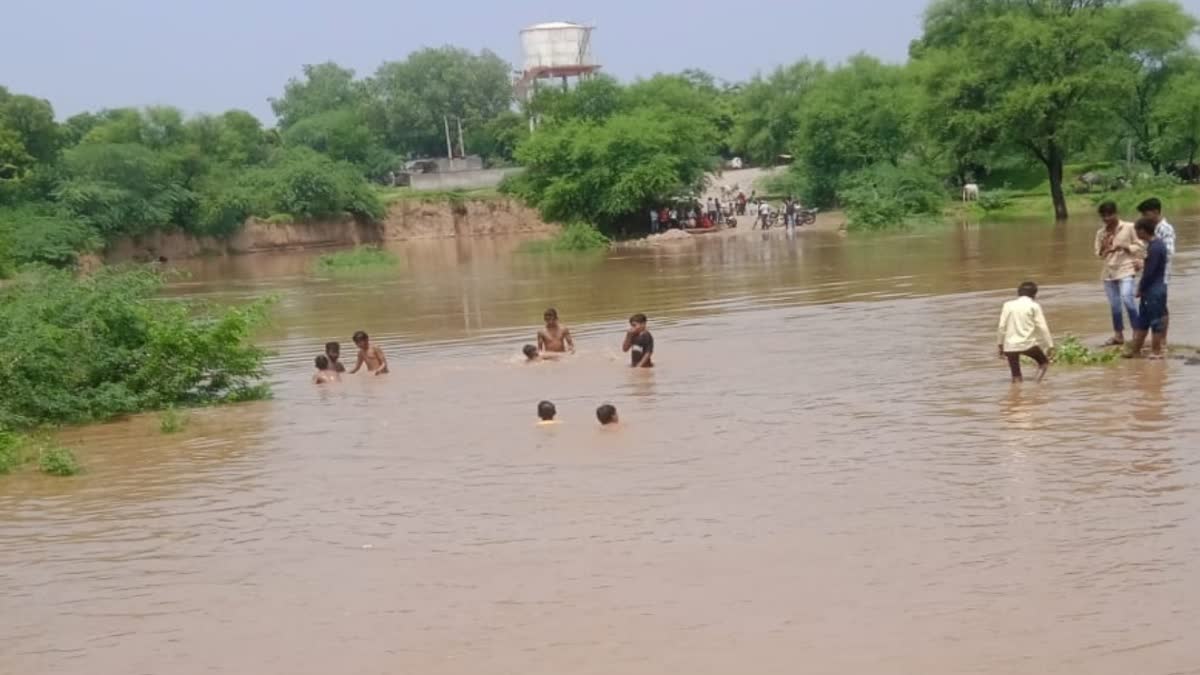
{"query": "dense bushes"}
pixel 886 196
pixel 80 350
pixel 574 238
pixel 32 235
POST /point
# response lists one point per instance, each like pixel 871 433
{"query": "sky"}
pixel 213 55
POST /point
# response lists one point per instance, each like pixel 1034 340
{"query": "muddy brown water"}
pixel 827 473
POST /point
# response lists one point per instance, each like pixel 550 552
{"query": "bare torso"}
pixel 554 339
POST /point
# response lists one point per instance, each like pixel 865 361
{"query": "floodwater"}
pixel 827 473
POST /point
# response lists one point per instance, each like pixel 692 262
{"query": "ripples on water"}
pixel 827 473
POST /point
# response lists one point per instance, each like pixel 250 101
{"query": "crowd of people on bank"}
pixel 716 211
pixel 1136 272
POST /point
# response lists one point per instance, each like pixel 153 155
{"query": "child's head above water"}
pixel 638 322
pixel 333 350
pixel 607 414
pixel 361 339
pixel 546 411
pixel 550 316
pixel 1028 290
pixel 530 352
pixel 322 362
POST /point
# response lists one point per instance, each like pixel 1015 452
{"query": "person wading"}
pixel 1119 247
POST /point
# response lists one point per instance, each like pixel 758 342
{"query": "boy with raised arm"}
pixel 639 342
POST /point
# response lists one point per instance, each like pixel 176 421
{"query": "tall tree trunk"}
pixel 1054 166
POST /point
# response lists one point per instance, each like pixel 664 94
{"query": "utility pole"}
pixel 449 147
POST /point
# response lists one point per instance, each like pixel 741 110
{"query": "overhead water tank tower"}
pixel 555 50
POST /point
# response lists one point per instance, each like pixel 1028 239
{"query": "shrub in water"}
pixel 56 461
pixel 359 259
pixel 78 350
pixel 1071 352
pixel 171 421
pixel 575 237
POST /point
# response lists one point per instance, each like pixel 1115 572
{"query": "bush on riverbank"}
pixel 75 350
pixel 574 238
pixel 886 196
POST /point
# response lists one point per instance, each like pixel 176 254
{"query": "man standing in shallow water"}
pixel 1118 245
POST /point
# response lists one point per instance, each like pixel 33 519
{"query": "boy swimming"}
pixel 333 351
pixel 532 354
pixel 546 413
pixel 639 342
pixel 607 415
pixel 554 337
pixel 325 373
pixel 1023 332
pixel 369 355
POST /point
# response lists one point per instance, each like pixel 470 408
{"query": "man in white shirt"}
pixel 1023 331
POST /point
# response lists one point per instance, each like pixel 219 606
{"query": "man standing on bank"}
pixel 1119 247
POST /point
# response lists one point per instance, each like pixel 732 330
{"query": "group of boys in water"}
pixel 1128 249
pixel 554 341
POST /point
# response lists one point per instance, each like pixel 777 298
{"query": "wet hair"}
pixel 530 352
pixel 1028 290
pixel 322 362
pixel 637 318
pixel 1146 225
pixel 546 411
pixel 550 314
pixel 1152 204
pixel 333 347
pixel 360 336
pixel 1108 209
pixel 607 414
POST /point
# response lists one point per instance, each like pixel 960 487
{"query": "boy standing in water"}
pixel 325 373
pixel 1023 332
pixel 333 351
pixel 1153 316
pixel 369 355
pixel 554 337
pixel 639 342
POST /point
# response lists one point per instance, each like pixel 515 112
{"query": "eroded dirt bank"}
pixel 409 219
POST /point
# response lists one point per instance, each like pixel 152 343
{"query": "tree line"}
pixel 991 89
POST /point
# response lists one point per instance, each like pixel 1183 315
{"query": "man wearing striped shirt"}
pixel 1152 209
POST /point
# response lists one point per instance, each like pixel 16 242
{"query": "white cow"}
pixel 970 192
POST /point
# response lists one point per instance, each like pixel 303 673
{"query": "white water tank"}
pixel 557 45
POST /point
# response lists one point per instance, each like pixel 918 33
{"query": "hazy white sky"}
pixel 211 55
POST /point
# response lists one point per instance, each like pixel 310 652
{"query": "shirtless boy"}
pixel 369 355
pixel 555 337
pixel 325 373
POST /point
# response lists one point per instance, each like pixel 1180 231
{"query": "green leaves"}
pixel 81 350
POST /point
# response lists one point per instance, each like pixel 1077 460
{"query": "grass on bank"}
pixel 574 238
pixel 358 260
pixel 1070 351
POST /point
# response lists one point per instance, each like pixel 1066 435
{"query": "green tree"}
pixel 605 172
pixel 594 99
pixel 325 87
pixel 1040 75
pixel 1177 113
pixel 854 117
pixel 33 121
pixel 411 97
pixel 770 110
pixel 342 134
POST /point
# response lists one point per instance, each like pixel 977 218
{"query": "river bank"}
pixel 438 216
